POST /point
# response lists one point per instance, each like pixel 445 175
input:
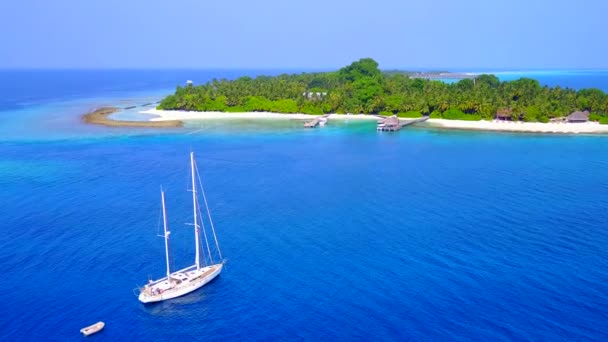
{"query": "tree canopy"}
pixel 362 87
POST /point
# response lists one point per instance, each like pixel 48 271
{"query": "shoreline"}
pixel 101 116
pixel 589 127
pixel 164 115
pixel 482 125
pixel 176 118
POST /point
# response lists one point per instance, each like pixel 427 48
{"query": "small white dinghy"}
pixel 92 329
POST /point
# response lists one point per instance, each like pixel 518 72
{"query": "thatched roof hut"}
pixel 392 121
pixel 504 114
pixel 578 116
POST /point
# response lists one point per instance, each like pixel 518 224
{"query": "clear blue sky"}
pixel 316 34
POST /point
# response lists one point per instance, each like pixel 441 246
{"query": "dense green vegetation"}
pixel 362 88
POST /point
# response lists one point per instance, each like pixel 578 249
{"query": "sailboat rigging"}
pixel 193 277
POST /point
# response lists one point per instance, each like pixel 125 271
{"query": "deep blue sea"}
pixel 333 234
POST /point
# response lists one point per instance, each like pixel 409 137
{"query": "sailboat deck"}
pixel 179 283
pixel 185 275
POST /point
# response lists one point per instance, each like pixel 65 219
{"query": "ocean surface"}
pixel 337 233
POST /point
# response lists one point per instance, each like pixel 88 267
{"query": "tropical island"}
pixel 476 102
pixel 363 88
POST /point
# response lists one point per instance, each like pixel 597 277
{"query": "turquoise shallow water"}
pixel 337 233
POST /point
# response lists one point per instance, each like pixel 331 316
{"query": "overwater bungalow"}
pixel 389 124
pixel 392 121
pixel 578 116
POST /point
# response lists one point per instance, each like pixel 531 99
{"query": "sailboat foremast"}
pixel 195 209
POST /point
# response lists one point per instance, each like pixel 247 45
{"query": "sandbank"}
pixel 101 116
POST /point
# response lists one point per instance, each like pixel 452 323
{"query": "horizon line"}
pixel 304 69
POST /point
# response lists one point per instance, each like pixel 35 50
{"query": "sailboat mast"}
pixel 162 196
pixel 196 227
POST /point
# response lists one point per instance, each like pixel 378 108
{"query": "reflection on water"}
pixel 180 305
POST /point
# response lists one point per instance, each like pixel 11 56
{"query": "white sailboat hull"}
pixel 180 283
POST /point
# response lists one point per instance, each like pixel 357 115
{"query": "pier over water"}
pixel 392 123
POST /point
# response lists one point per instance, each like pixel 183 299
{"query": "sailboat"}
pixel 191 278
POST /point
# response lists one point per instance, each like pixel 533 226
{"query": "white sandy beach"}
pixel 495 125
pixel 518 126
pixel 164 115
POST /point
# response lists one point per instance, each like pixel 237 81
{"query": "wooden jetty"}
pixel 142 105
pixel 392 123
pixel 415 121
pixel 312 123
pixel 317 121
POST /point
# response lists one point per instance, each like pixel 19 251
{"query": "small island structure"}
pixel 389 124
pixel 393 124
pixel 317 121
pixel 578 116
pixel 504 114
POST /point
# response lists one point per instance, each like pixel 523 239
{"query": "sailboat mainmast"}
pixel 162 197
pixel 196 227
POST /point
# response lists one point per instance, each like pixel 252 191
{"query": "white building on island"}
pixel 314 95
